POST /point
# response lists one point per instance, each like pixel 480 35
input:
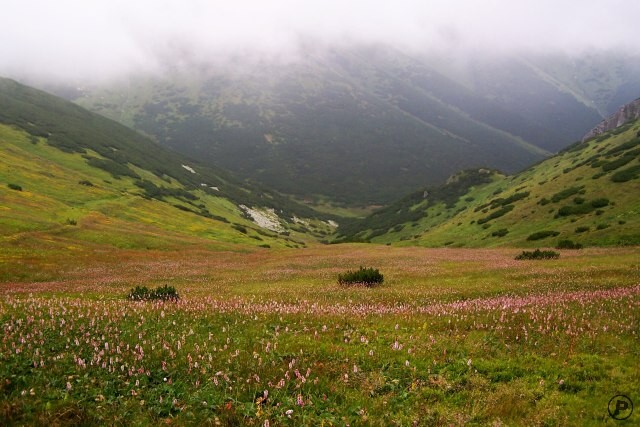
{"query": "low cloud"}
pixel 100 39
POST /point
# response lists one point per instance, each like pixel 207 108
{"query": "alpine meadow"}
pixel 320 213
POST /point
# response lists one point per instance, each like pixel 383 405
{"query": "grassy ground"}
pixel 267 337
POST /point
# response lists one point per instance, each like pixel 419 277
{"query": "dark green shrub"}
pixel 566 193
pixel 240 228
pixel 72 221
pixel 509 200
pixel 602 226
pixel 542 235
pixel 14 187
pixel 496 214
pixel 624 147
pixel 165 293
pixel 538 254
pixel 544 201
pixel 182 208
pixel 364 276
pixel 117 170
pixel 581 229
pixel 161 293
pixel 85 183
pixel 626 174
pixel 500 233
pixel 618 163
pixel 139 293
pixel 568 244
pixel 579 200
pixel 584 208
pixel 600 203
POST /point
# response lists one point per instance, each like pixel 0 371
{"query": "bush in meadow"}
pixel 161 293
pixel 538 254
pixel 364 276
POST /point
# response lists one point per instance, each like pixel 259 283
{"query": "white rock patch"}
pixel 211 187
pixel 300 221
pixel 265 218
pixel 189 168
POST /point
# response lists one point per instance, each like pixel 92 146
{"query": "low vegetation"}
pixel 161 293
pixel 267 337
pixel 539 235
pixel 538 254
pixel 368 277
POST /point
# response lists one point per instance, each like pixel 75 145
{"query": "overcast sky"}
pixel 75 39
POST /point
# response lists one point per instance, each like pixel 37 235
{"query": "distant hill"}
pixel 359 126
pixel 69 174
pixel 587 194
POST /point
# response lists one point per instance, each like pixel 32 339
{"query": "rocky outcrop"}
pixel 626 113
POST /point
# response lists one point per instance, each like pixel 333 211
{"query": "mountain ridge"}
pixel 359 125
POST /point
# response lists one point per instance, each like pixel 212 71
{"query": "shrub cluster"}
pixel 500 233
pixel 561 195
pixel 364 276
pixel 538 254
pixel 627 174
pixel 117 170
pixel 542 235
pixel 15 187
pixel 496 214
pixel 161 293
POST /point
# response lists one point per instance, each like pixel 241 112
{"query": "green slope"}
pixel 70 177
pixel 587 194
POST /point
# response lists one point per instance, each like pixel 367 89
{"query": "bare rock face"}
pixel 626 113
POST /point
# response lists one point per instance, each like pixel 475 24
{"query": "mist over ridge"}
pixel 93 41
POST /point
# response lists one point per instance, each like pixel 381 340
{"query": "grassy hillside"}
pixel 69 177
pixel 587 194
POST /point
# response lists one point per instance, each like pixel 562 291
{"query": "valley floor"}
pixel 268 337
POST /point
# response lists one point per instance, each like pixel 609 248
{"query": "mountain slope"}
pixel 354 125
pixel 587 194
pixel 69 175
pixel 361 125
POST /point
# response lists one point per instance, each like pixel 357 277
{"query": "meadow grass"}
pixel 268 337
